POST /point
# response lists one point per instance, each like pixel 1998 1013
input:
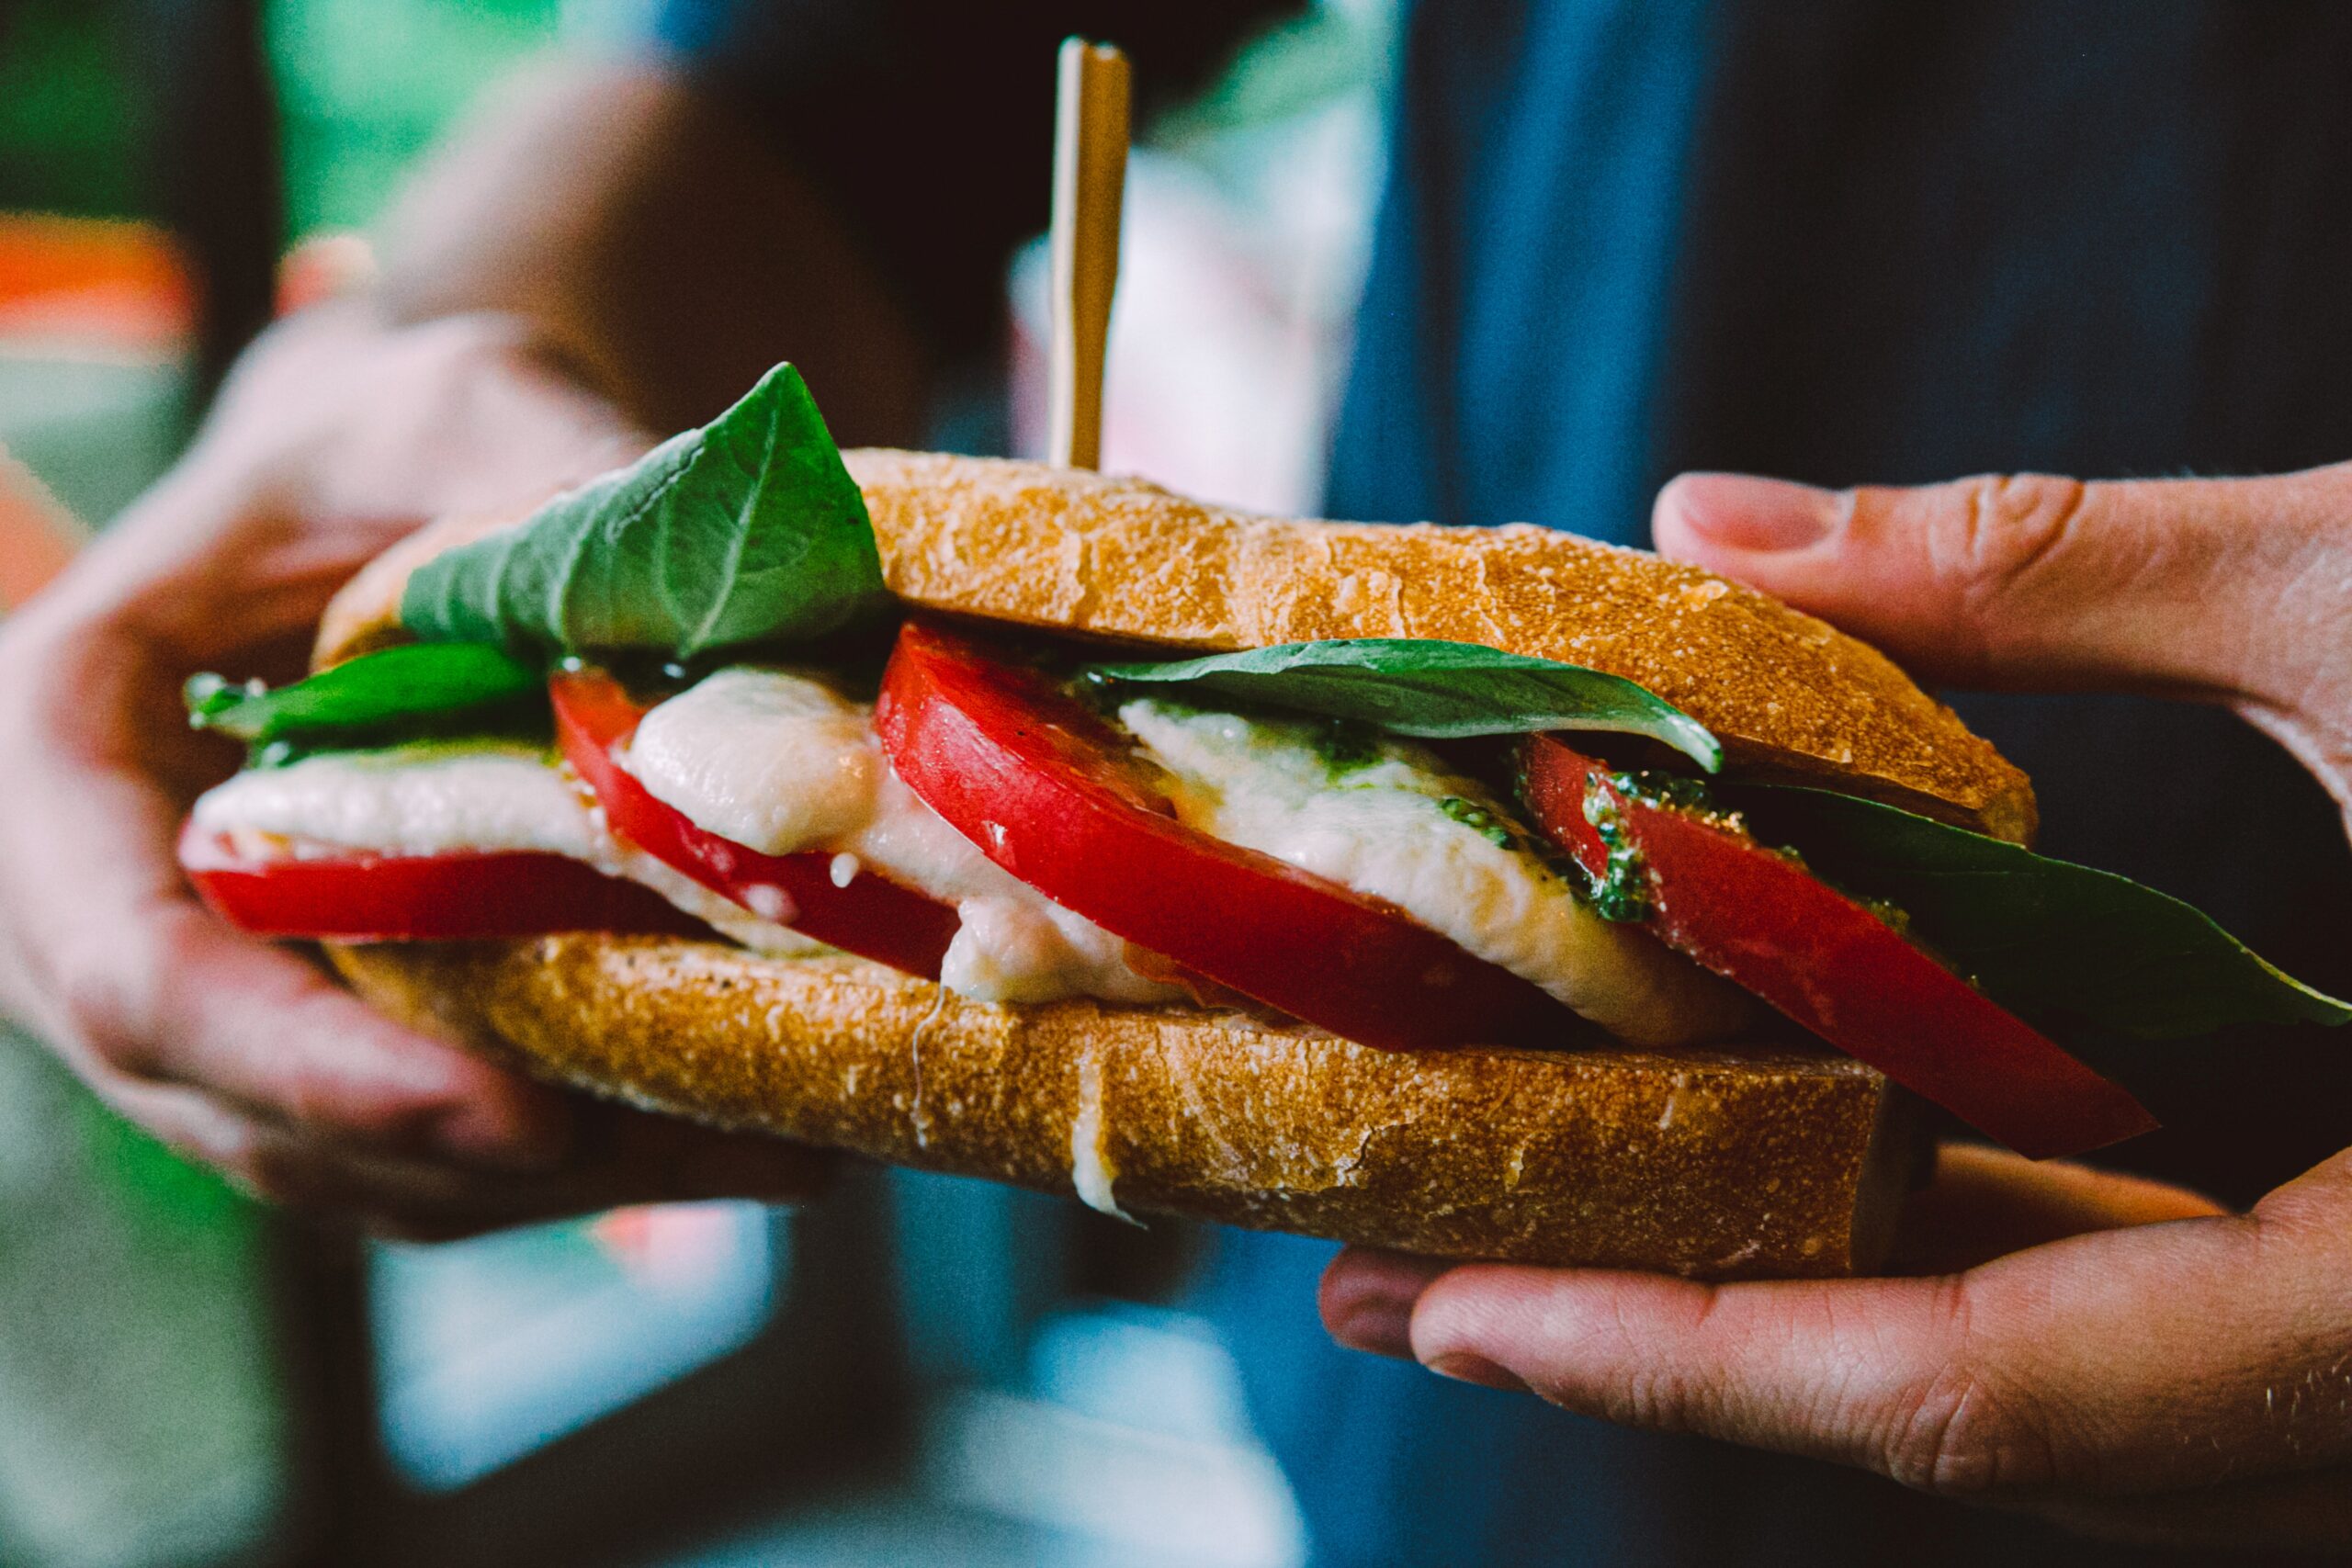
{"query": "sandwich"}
pixel 1479 893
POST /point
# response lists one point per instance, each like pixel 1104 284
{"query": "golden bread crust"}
pixel 365 614
pixel 1120 557
pixel 1115 557
pixel 1720 1166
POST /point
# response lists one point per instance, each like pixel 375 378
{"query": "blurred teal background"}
pixel 924 1370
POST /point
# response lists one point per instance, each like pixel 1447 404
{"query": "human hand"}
pixel 336 435
pixel 2147 1366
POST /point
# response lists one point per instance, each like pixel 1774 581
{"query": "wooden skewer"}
pixel 1090 179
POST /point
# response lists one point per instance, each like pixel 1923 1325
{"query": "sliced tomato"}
pixel 1761 920
pixel 868 915
pixel 455 897
pixel 1050 794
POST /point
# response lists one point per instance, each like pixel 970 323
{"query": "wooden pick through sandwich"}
pixel 1089 180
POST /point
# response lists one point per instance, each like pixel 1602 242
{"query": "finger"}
pixel 403 1201
pixel 1853 1373
pixel 2219 587
pixel 626 1156
pixel 1367 1295
pixel 1986 1202
pixel 1983 1204
pixel 2081 1362
pixel 177 997
pixel 281 1166
pixel 664 1162
pixel 337 411
pixel 134 980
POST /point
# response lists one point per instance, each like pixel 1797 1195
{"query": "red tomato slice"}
pixel 872 916
pixel 1049 792
pixel 459 897
pixel 1761 920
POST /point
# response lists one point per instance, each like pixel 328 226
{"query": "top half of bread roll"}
pixel 1119 558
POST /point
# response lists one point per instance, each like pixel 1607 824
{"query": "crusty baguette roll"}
pixel 1072 551
pixel 1774 1163
pixel 1765 1160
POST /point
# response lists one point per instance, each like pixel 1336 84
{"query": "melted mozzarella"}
pixel 783 764
pixel 767 760
pixel 450 799
pixel 1394 827
pixel 1092 1175
pixel 413 800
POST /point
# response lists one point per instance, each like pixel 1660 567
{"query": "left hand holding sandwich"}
pixel 338 435
pixel 2149 1365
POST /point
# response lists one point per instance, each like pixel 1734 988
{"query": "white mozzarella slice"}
pixel 1394 824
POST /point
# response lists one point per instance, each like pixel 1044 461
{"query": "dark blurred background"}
pixel 919 1370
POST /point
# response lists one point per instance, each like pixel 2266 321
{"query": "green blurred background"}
pixel 364 86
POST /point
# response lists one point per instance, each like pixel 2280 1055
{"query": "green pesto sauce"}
pixel 1344 746
pixel 1678 790
pixel 1622 891
pixel 1479 821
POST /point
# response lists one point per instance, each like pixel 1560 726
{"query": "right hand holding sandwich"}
pixel 337 437
pixel 2230 591
pixel 2183 1380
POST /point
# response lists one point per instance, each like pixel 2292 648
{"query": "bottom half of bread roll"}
pixel 1721 1164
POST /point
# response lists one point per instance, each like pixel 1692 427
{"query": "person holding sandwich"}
pixel 1619 242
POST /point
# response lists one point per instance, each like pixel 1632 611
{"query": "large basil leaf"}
pixel 367 696
pixel 2066 946
pixel 747 530
pixel 1437 690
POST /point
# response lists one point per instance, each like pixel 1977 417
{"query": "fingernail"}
pixel 1368 1298
pixel 1464 1366
pixel 1748 513
pixel 1380 1324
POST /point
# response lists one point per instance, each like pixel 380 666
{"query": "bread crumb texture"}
pixel 1711 1164
pixel 1123 559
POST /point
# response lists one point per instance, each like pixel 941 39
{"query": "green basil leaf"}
pixel 2059 943
pixel 374 693
pixel 747 530
pixel 1436 690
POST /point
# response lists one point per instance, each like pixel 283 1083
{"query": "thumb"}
pixel 2231 589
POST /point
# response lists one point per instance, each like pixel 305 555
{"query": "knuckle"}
pixel 310 1106
pixel 1966 1435
pixel 1983 547
pixel 1658 1400
pixel 316 1098
pixel 107 994
pixel 2006 528
pixel 470 356
pixel 98 1013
